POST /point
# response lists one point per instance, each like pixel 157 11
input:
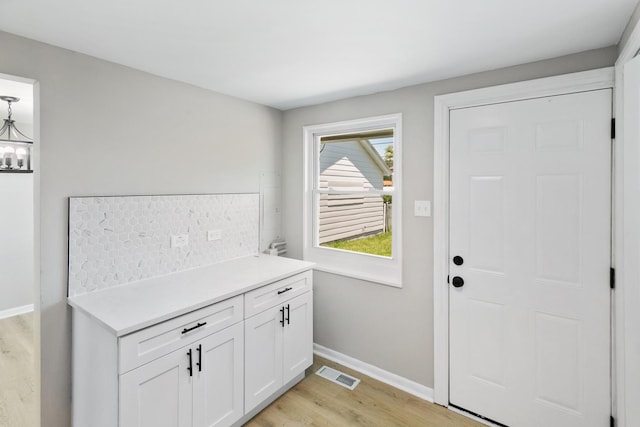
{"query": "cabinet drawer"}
pixel 150 343
pixel 275 293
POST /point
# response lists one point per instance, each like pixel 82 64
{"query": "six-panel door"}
pixel 530 221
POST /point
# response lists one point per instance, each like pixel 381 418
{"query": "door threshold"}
pixel 477 417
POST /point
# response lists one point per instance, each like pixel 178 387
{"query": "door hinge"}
pixel 613 128
pixel 612 421
pixel 612 278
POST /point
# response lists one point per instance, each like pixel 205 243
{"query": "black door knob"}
pixel 457 260
pixel 457 282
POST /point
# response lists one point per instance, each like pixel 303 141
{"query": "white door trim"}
pixel 37 362
pixel 624 277
pixel 564 84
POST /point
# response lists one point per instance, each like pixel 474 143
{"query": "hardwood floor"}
pixel 17 372
pixel 316 401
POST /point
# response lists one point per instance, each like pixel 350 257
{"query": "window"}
pixel 353 199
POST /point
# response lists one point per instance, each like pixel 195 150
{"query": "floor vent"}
pixel 338 377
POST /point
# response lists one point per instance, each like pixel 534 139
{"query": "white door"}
pixel 263 356
pixel 218 389
pixel 298 336
pixel 530 219
pixel 157 394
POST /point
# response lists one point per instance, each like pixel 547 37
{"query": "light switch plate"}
pixel 422 207
pixel 179 240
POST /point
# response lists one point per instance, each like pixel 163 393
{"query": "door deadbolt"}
pixel 457 282
pixel 457 260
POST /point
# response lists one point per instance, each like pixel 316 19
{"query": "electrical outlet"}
pixel 179 240
pixel 422 208
pixel 214 235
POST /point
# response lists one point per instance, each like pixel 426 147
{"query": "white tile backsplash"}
pixel 117 240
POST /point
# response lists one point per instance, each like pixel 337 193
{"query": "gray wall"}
pixel 16 240
pixel 110 130
pixel 384 326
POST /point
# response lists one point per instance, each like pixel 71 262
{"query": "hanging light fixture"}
pixel 15 147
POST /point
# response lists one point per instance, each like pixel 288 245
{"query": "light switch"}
pixel 422 207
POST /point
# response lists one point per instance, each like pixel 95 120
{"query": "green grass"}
pixel 379 244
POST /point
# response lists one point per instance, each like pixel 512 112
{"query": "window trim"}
pixel 372 268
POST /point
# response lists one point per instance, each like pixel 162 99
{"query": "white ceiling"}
pixel 289 53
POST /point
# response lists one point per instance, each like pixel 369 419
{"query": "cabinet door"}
pixel 298 336
pixel 263 356
pixel 218 369
pixel 157 394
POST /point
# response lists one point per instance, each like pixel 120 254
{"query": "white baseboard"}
pixel 404 384
pixel 16 311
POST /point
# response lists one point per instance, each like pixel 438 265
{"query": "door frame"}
pixel 626 227
pixel 35 164
pixel 550 86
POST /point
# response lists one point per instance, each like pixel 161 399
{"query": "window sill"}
pixel 359 276
pixel 371 268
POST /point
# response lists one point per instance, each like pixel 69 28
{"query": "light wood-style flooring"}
pixel 17 372
pixel 316 401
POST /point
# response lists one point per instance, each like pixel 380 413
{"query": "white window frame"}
pixel 372 268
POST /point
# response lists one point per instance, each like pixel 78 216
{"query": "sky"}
pixel 380 144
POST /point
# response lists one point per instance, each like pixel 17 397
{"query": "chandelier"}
pixel 15 147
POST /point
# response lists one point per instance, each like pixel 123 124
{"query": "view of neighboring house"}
pixel 351 166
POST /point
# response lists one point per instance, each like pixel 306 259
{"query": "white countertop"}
pixel 127 308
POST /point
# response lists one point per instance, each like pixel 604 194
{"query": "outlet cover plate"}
pixel 179 240
pixel 214 235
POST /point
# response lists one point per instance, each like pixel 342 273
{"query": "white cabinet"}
pixel 199 385
pixel 279 346
pixel 157 394
pixel 219 381
pixel 155 341
pixel 298 337
pixel 263 356
pixel 163 355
